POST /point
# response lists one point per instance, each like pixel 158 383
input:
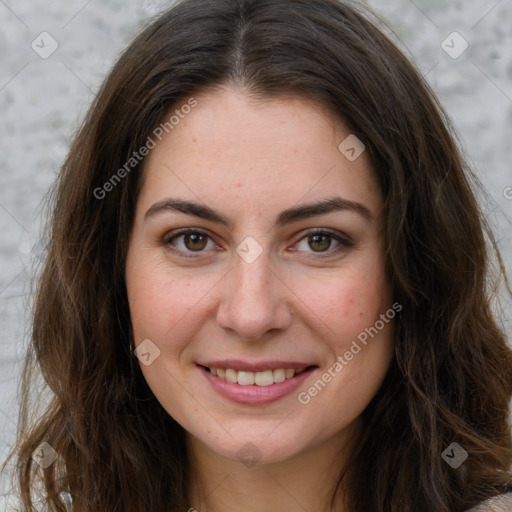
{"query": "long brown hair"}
pixel 451 377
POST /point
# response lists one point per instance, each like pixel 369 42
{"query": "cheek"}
pixel 349 302
pixel 152 296
pixel 155 305
pixel 165 304
pixel 358 353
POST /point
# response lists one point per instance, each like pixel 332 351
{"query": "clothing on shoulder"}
pixel 502 503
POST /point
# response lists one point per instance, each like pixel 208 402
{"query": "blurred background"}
pixel 54 55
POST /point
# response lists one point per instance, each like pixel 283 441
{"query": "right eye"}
pixel 189 241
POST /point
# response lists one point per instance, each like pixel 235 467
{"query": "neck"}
pixel 306 481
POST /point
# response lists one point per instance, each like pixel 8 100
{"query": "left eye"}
pixel 321 242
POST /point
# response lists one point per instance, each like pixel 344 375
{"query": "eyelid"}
pixel 184 231
pixel 325 231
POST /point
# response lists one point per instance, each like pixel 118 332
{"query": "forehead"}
pixel 268 151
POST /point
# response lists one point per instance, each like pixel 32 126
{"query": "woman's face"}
pixel 257 250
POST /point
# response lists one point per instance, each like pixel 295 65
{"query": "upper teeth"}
pixel 265 378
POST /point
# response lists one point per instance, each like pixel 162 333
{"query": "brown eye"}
pixel 189 241
pixel 195 241
pixel 319 243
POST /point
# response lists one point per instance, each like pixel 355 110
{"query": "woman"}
pixel 267 286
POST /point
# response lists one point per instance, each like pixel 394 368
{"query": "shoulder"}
pixel 502 503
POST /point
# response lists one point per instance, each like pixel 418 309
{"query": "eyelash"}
pixel 344 242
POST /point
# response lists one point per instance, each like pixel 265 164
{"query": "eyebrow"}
pixel 334 204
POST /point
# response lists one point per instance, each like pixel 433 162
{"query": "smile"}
pixel 258 387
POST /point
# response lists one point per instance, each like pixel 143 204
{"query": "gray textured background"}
pixel 43 100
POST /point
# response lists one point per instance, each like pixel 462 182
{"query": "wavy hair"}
pixel 451 377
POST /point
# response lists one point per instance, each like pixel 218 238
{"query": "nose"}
pixel 255 301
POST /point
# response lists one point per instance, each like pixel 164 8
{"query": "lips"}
pixel 255 383
pixel 259 366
